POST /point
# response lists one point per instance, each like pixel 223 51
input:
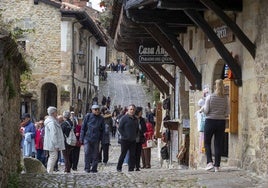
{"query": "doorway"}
pixel 48 97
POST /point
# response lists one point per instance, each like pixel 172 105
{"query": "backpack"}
pixel 71 139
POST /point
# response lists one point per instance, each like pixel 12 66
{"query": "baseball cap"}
pixel 95 106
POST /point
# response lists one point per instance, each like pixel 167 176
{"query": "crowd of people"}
pixel 46 140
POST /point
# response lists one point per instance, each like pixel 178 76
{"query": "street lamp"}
pixel 80 60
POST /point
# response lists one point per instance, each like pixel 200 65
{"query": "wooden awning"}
pixel 163 21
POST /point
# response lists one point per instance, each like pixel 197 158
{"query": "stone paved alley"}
pixel 122 88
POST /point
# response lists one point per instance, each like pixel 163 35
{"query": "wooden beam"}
pixel 232 25
pixel 180 5
pixel 228 5
pixel 155 78
pixel 225 54
pixel 183 55
pixel 164 73
pixel 150 16
pixel 168 46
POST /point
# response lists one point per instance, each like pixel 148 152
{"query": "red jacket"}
pixel 149 134
pixel 39 138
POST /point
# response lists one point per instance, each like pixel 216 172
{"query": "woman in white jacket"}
pixel 54 139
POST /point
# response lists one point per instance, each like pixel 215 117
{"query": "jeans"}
pixel 138 155
pixel 67 155
pixel 126 159
pixel 53 155
pixel 125 146
pixel 91 156
pixel 75 157
pixel 214 127
pixel 40 155
pixel 104 152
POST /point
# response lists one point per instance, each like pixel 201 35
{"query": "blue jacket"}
pixel 30 128
pixel 92 128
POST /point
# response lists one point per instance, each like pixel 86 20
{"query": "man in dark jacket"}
pixel 128 128
pixel 105 143
pixel 91 135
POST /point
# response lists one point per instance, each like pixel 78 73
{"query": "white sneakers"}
pixel 216 169
pixel 210 167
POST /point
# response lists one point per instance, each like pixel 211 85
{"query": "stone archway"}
pixel 218 72
pixel 48 97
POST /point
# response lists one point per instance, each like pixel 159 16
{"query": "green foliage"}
pixel 106 15
pixel 13 181
pixel 156 95
pixel 25 77
pixel 64 94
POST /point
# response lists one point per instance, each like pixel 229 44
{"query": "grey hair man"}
pixel 54 139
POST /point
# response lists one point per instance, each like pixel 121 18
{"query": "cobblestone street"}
pixel 123 89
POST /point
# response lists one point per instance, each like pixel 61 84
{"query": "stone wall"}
pixel 9 113
pixel 248 148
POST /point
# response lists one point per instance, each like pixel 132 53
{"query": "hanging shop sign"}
pixel 153 54
pixel 224 33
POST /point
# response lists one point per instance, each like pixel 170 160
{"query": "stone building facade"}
pixel 245 144
pixel 66 45
pixel 247 148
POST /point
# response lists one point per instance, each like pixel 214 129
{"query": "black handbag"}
pixel 164 152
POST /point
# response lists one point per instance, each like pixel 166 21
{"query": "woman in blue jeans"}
pixel 216 109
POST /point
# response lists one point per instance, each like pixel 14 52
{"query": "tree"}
pixel 106 15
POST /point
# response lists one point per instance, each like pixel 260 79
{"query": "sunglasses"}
pixel 96 109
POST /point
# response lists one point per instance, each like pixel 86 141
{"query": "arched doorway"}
pixel 48 97
pixel 218 72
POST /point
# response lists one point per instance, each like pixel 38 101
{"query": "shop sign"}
pixel 224 33
pixel 153 54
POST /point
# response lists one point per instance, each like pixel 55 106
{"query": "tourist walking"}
pixel 67 126
pixel 216 109
pixel 28 132
pixel 91 135
pixel 140 139
pixel 128 128
pixel 146 151
pixel 75 153
pixel 105 143
pixel 103 101
pixel 115 124
pixel 108 102
pixel 39 142
pixel 54 139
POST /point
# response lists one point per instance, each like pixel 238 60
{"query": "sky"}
pixel 95 4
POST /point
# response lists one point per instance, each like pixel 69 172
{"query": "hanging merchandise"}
pixel 226 70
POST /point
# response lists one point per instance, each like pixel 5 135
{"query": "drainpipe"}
pixel 73 62
pixel 88 63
